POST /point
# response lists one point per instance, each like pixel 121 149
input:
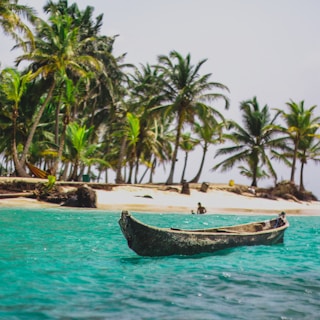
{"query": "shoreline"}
pixel 158 199
pixel 216 202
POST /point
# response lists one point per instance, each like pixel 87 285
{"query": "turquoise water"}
pixel 65 264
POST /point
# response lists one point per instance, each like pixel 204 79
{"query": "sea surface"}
pixel 75 264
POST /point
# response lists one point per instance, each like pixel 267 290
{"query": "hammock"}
pixel 38 173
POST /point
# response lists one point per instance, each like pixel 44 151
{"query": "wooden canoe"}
pixel 148 240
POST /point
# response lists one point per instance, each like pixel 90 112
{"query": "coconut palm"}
pixel 99 91
pixel 81 151
pixel 23 120
pixel 209 131
pixel 13 85
pixel 187 144
pixel 10 19
pixel 250 140
pixel 158 148
pixel 68 98
pixel 56 54
pixel 309 149
pixel 145 94
pixel 248 172
pixel 186 92
pixel 299 125
pixel 132 134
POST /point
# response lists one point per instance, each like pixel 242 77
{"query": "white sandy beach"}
pixel 157 199
pixel 215 201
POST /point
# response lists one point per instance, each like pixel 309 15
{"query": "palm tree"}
pixel 102 91
pixel 56 54
pixel 145 94
pixel 158 147
pixel 99 90
pixel 248 172
pixel 185 91
pixel 132 134
pixel 10 19
pixel 309 149
pixel 209 131
pixel 187 144
pixel 13 86
pixel 68 98
pixel 81 151
pixel 250 140
pixel 299 124
pixel 24 120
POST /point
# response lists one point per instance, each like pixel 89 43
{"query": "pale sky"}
pixel 264 48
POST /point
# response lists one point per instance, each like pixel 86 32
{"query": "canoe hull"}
pixel 151 241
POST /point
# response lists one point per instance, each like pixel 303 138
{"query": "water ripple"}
pixel 64 264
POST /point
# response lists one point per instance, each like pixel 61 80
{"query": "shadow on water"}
pixel 136 260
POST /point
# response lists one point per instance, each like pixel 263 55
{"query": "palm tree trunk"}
pixel 66 121
pixel 74 174
pixel 254 167
pixel 61 146
pixel 35 124
pixel 136 172
pixel 197 177
pixel 56 129
pixel 301 187
pixel 129 181
pixel 175 152
pixel 21 172
pixel 65 172
pixel 294 160
pixel 154 164
pixel 254 178
pixel 119 178
pixel 143 175
pixel 184 167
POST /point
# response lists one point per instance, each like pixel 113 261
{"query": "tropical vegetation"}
pixel 71 107
pixel 251 141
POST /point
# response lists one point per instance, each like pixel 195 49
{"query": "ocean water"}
pixel 75 264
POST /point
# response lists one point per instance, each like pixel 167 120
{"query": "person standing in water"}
pixel 201 209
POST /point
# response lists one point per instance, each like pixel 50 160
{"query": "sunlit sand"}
pixel 157 199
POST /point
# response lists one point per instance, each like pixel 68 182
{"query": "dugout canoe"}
pixel 151 241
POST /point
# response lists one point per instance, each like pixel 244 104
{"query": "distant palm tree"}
pixel 187 144
pixel 186 92
pixel 145 94
pixel 250 140
pixel 10 19
pixel 309 149
pixel 209 131
pixel 299 125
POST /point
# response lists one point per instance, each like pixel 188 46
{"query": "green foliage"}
pixel 133 128
pixel 13 84
pixel 300 125
pixel 250 141
pixel 51 182
pixel 129 116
